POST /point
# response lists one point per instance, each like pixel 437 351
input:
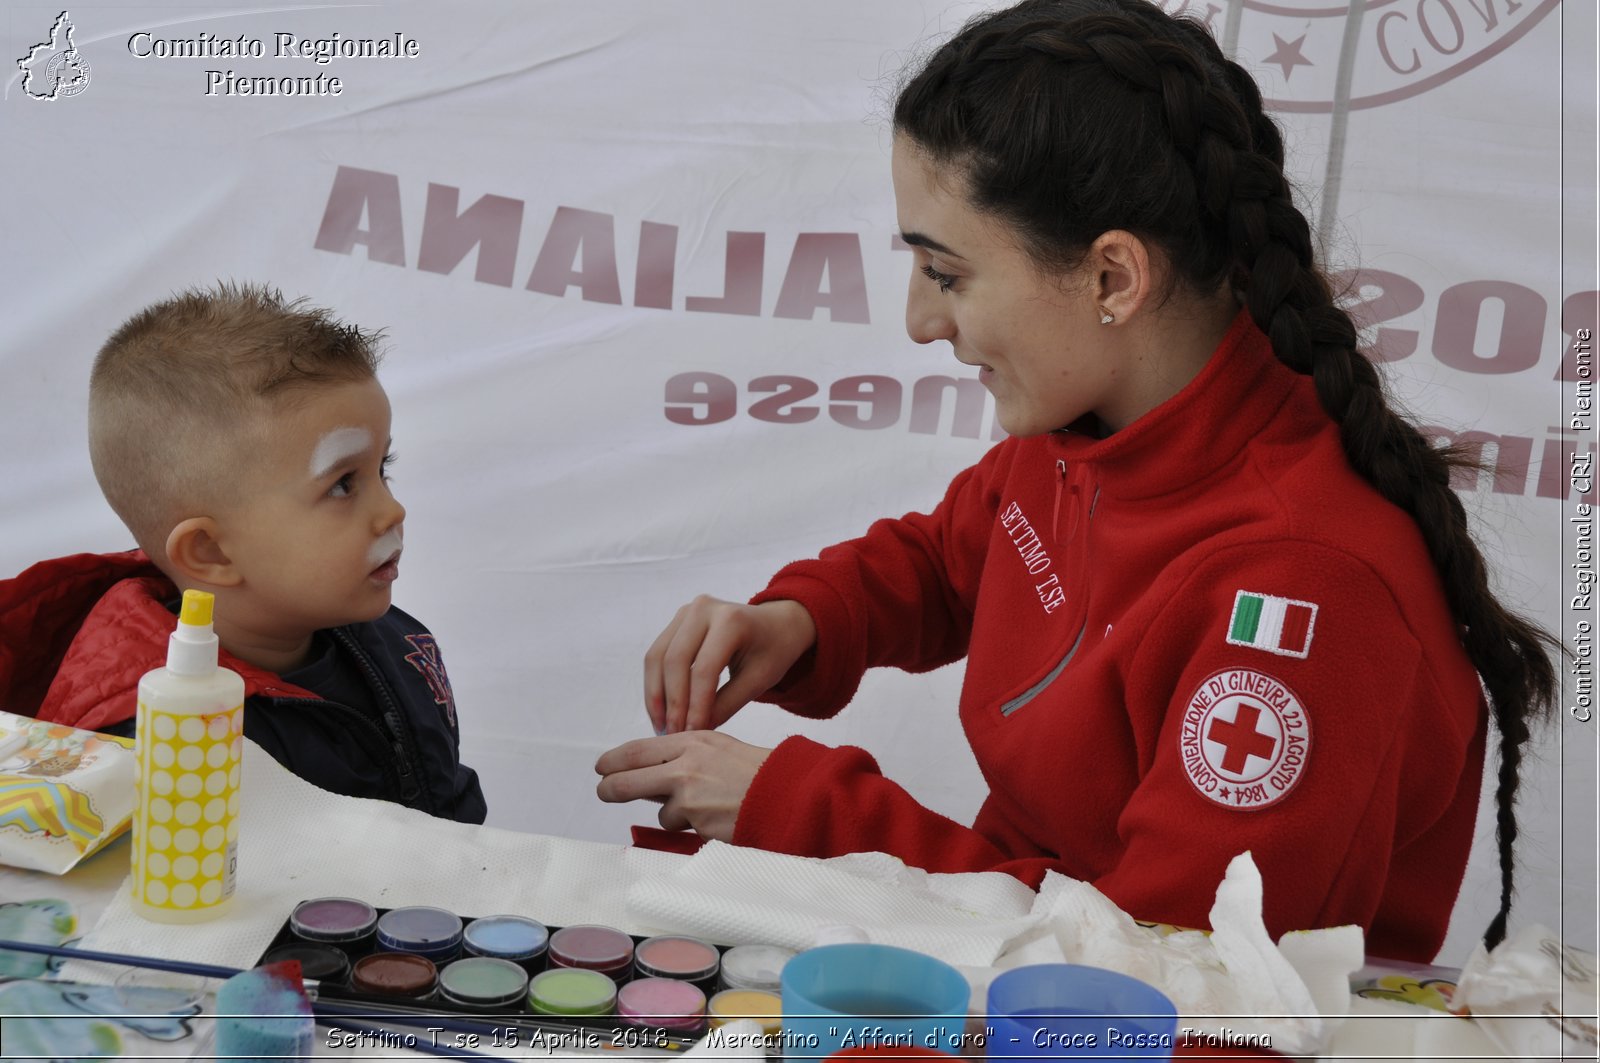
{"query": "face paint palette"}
pixel 595 986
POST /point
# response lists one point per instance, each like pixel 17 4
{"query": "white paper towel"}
pixel 296 841
pixel 1219 982
pixel 734 895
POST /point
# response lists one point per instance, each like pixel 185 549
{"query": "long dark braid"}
pixel 1141 123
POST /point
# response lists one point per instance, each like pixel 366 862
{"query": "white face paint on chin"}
pixel 336 446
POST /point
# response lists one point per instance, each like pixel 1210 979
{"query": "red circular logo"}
pixel 1245 739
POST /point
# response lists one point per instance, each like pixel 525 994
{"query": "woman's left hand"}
pixel 700 778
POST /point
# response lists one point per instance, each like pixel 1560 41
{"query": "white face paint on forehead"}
pixel 336 446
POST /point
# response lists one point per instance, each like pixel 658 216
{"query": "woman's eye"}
pixel 943 280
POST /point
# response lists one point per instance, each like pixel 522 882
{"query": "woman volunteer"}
pixel 1214 594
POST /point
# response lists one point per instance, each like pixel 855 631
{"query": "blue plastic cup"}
pixel 1064 1011
pixel 842 996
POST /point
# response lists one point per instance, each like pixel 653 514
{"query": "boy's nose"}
pixel 391 513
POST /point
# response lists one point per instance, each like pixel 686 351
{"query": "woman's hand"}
pixel 700 778
pixel 757 644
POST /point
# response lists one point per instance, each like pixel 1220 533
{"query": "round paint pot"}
pixel 394 974
pixel 730 1004
pixel 754 967
pixel 324 963
pixel 595 948
pixel 571 991
pixel 431 932
pixel 664 1002
pixel 507 937
pixel 683 958
pixel 336 920
pixel 483 982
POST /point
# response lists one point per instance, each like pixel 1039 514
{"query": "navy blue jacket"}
pixel 76 633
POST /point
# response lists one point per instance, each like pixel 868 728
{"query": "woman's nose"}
pixel 927 315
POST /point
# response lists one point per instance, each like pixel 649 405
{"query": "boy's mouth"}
pixel 389 571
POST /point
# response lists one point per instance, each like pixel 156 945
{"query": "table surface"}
pixel 1396 1010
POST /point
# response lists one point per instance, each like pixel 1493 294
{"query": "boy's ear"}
pixel 196 554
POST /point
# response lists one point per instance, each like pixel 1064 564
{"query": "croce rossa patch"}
pixel 1245 739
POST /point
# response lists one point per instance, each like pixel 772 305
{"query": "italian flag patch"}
pixel 1277 625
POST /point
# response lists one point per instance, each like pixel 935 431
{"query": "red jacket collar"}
pixel 1199 429
pixel 77 632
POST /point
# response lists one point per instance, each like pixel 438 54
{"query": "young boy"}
pixel 244 441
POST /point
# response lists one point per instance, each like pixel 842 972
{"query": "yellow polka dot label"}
pixel 186 822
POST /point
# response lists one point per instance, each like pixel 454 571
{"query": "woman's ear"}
pixel 1122 273
pixel 196 554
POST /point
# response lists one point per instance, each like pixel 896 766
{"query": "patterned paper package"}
pixel 64 793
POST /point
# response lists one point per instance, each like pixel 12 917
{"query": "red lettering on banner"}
pixel 836 255
pixel 743 261
pixel 491 224
pixel 865 401
pixel 579 235
pixel 1488 326
pixel 826 271
pixel 787 392
pixel 1375 297
pixel 1438 25
pixel 1512 458
pixel 363 194
pixel 656 271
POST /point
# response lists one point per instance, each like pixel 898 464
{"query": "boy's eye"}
pixel 383 467
pixel 343 486
pixel 943 280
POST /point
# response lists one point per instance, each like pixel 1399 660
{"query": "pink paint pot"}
pixel 683 958
pixel 663 1002
pixel 593 948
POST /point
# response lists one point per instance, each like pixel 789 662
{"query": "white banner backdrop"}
pixel 645 315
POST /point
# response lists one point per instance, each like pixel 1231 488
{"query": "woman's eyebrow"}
pixel 919 240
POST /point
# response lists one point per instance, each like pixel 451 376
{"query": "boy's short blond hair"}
pixel 183 392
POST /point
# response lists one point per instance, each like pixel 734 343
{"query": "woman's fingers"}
pixel 700 777
pixel 755 644
pixel 677 664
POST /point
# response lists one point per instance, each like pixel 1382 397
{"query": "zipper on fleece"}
pixel 1008 707
pixel 1076 517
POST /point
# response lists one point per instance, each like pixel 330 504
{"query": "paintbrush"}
pixel 328 1013
pixel 154 963
pixel 208 970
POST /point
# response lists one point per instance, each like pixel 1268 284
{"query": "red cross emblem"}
pixel 1244 739
pixel 1241 739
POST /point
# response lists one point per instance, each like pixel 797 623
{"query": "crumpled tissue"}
pixel 1533 996
pixel 1233 984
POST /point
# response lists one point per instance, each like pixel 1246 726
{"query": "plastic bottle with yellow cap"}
pixel 189 738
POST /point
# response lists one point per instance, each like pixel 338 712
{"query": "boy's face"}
pixel 315 537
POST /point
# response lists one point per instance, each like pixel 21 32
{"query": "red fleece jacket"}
pixel 1200 635
pixel 76 633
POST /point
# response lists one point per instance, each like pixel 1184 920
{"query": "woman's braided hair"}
pixel 1069 118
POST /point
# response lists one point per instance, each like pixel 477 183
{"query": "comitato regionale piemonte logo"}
pixel 54 69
